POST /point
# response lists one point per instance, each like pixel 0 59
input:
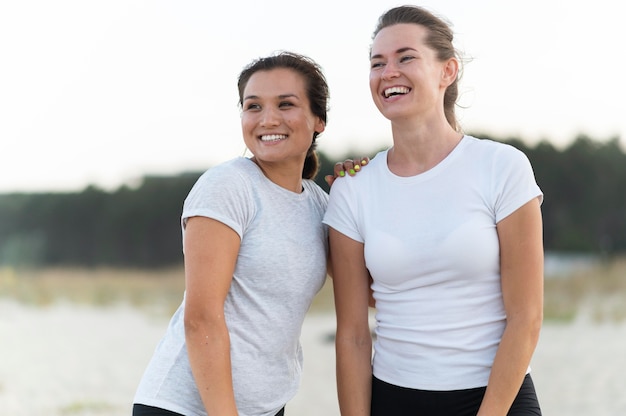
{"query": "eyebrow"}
pixel 281 96
pixel 401 50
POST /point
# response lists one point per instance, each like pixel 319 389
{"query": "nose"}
pixel 389 71
pixel 270 117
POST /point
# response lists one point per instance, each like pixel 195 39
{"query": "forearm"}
pixel 510 365
pixel 354 376
pixel 353 343
pixel 208 347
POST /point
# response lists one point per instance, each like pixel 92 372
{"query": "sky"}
pixel 104 92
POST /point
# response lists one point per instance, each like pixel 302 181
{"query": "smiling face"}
pixel 276 121
pixel 406 78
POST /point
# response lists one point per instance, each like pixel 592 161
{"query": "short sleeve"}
pixel 221 193
pixel 342 214
pixel 515 182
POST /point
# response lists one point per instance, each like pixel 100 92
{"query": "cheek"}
pixel 247 131
pixel 375 96
pixel 310 124
pixel 374 86
pixel 303 123
pixel 247 123
pixel 315 124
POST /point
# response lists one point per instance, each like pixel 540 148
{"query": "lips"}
pixel 392 91
pixel 272 137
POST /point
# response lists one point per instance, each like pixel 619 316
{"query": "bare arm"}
pixel 210 254
pixel 330 273
pixel 521 263
pixel 353 342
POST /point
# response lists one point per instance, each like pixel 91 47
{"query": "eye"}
pixel 285 104
pixel 251 106
pixel 406 58
pixel 377 64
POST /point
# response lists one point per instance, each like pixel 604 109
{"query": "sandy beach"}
pixel 67 359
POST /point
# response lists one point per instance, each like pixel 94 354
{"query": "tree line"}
pixel 584 211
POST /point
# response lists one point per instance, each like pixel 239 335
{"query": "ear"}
pixel 450 71
pixel 320 126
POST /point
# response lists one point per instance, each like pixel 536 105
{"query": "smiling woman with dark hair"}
pixel 256 254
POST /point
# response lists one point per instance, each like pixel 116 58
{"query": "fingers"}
pixel 352 166
pixel 348 166
pixel 339 169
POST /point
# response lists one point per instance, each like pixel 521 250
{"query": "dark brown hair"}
pixel 316 90
pixel 440 37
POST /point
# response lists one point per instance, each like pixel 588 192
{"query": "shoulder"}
pixel 233 167
pixel 490 146
pixel 231 174
pixel 310 186
pixel 376 168
pixel 487 149
pixel 379 160
pixel 229 179
pixel 317 194
pixel 372 174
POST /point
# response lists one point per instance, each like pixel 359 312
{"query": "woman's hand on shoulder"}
pixel 349 166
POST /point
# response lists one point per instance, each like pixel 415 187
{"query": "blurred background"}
pixel 584 212
pixel 110 111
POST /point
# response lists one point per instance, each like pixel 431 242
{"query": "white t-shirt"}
pixel 280 267
pixel 431 246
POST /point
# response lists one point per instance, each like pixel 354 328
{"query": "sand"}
pixel 67 359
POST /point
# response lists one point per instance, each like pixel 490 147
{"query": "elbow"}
pixel 528 324
pixel 535 326
pixel 191 324
pixel 351 339
pixel 206 332
pixel 196 323
pixel 535 321
pixel 193 327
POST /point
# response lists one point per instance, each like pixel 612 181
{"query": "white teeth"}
pixel 395 90
pixel 273 137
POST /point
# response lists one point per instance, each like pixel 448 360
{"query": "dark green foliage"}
pixel 584 211
pixel 129 227
pixel 585 194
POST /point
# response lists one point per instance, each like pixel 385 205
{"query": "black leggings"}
pixel 143 410
pixel 388 399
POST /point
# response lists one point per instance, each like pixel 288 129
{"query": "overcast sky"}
pixel 103 92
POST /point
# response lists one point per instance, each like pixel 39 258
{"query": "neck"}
pixel 419 148
pixel 285 176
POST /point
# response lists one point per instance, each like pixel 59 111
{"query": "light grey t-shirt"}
pixel 280 267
